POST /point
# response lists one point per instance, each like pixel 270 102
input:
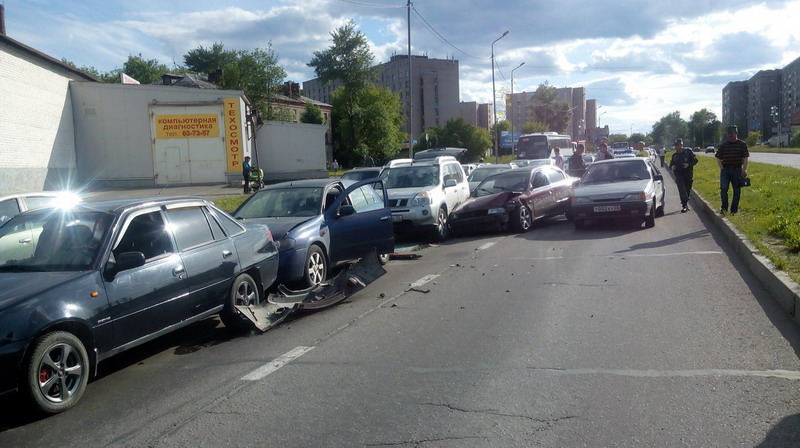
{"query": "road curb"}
pixel 782 288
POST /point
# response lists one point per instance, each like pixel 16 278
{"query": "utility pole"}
pixel 410 90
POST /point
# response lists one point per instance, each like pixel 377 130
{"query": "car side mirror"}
pixel 129 260
pixel 347 210
pixel 658 177
pixel 450 183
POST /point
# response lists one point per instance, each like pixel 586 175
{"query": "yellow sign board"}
pixel 187 126
pixel 233 133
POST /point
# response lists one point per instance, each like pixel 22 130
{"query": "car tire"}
pixel 442 229
pixel 315 270
pixel 244 291
pixel 650 220
pixel 56 372
pixel 522 219
pixel 383 259
pixel 660 209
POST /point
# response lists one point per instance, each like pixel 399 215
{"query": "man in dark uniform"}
pixel 682 164
pixel 732 157
pixel 576 164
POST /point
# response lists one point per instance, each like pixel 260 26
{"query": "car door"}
pixel 208 255
pixel 561 189
pixel 658 182
pixel 541 195
pixel 149 298
pixel 355 235
pixel 9 208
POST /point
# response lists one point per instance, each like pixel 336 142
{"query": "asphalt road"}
pixel 614 336
pixel 790 160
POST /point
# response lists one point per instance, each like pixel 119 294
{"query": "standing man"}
pixel 576 164
pixel 682 164
pixel 559 159
pixel 246 174
pixel 732 157
pixel 662 154
pixel 368 161
pixel 602 152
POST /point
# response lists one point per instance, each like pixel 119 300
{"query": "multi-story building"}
pixel 734 106
pixel 763 90
pixel 790 97
pixel 435 86
pixel 519 109
pixel 476 114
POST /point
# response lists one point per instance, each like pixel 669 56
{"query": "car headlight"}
pixel 420 199
pixel 286 243
pixel 581 200
pixel 497 211
pixel 635 197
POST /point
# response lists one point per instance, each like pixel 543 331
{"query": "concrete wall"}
pixel 288 151
pixel 113 129
pixel 37 138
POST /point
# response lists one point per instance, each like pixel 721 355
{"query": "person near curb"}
pixel 246 174
pixel 335 165
pixel 732 157
pixel 558 158
pixel 603 153
pixel 662 154
pixel 682 164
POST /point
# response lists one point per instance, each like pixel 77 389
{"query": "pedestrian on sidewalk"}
pixel 682 164
pixel 558 158
pixel 246 174
pixel 732 157
pixel 662 154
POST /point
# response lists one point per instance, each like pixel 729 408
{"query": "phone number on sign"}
pixel 197 133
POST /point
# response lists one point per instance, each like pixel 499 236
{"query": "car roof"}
pixel 34 194
pixel 621 159
pixel 366 168
pixel 118 205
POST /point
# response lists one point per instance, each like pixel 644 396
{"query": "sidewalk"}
pixel 204 191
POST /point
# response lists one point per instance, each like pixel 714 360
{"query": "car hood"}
pixel 18 286
pixel 485 202
pixel 282 226
pixel 399 193
pixel 611 189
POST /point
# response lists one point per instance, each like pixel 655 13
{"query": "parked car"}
pixel 468 168
pixel 14 204
pixel 532 162
pixel 481 173
pixel 361 173
pixel 710 149
pixel 516 198
pixel 321 223
pixel 423 192
pixel 620 188
pixel 86 282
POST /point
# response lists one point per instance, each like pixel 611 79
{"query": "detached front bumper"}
pixel 612 210
pixel 478 220
pixel 291 264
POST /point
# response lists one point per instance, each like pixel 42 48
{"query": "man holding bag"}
pixel 682 164
pixel 732 157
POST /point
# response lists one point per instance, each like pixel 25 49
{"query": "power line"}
pixel 440 36
pixel 373 5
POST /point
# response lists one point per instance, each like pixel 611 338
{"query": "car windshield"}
pixel 482 173
pixel 411 176
pixel 612 172
pixel 360 174
pixel 282 203
pixel 53 240
pixel 500 183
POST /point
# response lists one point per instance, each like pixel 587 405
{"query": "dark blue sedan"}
pixel 320 223
pixel 86 282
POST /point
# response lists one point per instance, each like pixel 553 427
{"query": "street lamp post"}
pixel 513 140
pixel 494 103
pixel 777 113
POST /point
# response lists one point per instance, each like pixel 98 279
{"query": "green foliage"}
pixel 637 137
pixel 669 128
pixel 545 109
pixel 208 60
pixel 459 134
pixel 312 114
pixel 617 138
pixel 256 73
pixel 796 140
pixel 146 71
pixel 702 128
pixel 752 138
pixel 533 127
pixel 229 203
pixel 281 114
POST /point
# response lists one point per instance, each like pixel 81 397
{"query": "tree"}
pixel 460 134
pixel 146 71
pixel 375 111
pixel 349 61
pixel 533 127
pixel 753 137
pixel 312 114
pixel 637 137
pixel 614 138
pixel 545 109
pixel 258 74
pixel 701 126
pixel 91 70
pixel 669 128
pixel 208 60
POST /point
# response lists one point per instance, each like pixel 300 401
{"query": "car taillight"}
pixel 269 235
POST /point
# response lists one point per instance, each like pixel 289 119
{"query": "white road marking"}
pixel 623 255
pixel 777 373
pixel 423 280
pixel 484 247
pixel 277 363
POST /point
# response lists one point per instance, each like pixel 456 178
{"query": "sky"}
pixel 640 59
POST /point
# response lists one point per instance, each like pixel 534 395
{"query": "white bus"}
pixel 540 145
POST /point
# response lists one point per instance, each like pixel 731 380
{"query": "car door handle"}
pixel 25 241
pixel 384 218
pixel 226 253
pixel 177 271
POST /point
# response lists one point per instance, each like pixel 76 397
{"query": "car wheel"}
pixel 57 372
pixel 650 220
pixel 316 268
pixel 244 292
pixel 523 219
pixel 660 209
pixel 442 229
pixel 383 259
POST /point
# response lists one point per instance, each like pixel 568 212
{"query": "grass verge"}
pixel 769 211
pixel 229 203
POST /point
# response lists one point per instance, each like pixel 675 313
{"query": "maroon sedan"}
pixel 516 197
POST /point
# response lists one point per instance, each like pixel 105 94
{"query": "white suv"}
pixel 422 193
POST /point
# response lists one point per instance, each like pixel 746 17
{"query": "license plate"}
pixel 397 218
pixel 607 208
